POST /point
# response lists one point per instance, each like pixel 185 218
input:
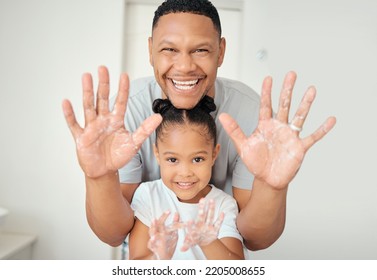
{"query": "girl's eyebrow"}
pixel 192 154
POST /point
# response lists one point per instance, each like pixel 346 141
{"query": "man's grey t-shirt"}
pixel 232 97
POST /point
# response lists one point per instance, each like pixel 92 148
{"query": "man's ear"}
pixel 156 154
pixel 150 50
pixel 222 52
pixel 215 153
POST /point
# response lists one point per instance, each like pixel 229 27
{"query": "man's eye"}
pixel 201 51
pixel 168 49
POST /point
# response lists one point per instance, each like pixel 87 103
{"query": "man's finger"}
pixel 233 129
pixel 102 104
pixel 319 133
pixel 147 127
pixel 122 97
pixel 88 98
pixel 265 110
pixel 285 97
pixel 304 108
pixel 70 118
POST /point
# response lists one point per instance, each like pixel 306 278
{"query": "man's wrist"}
pixel 107 178
pixel 258 183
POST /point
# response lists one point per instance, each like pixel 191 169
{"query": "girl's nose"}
pixel 185 170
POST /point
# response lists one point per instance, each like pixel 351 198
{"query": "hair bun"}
pixel 207 104
pixel 160 106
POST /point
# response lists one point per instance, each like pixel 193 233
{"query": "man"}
pixel 186 48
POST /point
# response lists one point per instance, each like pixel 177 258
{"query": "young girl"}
pixel 204 223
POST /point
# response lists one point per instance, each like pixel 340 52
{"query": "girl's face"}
pixel 186 158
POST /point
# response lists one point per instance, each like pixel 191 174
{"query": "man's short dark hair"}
pixel 198 7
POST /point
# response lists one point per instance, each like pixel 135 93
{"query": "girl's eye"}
pixel 172 160
pixel 198 159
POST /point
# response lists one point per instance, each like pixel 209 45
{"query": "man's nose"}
pixel 185 63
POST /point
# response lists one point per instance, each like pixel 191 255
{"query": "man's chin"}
pixel 184 103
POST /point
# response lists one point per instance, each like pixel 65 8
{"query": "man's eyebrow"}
pixel 203 44
pixel 166 42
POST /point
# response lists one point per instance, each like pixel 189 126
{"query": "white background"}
pixel 46 45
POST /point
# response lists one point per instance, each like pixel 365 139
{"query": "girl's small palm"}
pixel 205 229
pixel 163 239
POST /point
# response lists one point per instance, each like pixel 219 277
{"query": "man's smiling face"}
pixel 185 51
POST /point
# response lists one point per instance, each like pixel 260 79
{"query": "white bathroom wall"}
pixel 331 211
pixel 45 47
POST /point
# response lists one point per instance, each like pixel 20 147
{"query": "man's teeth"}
pixel 186 82
pixel 185 85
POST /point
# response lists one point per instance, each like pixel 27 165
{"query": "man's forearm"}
pixel 108 212
pixel 262 220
